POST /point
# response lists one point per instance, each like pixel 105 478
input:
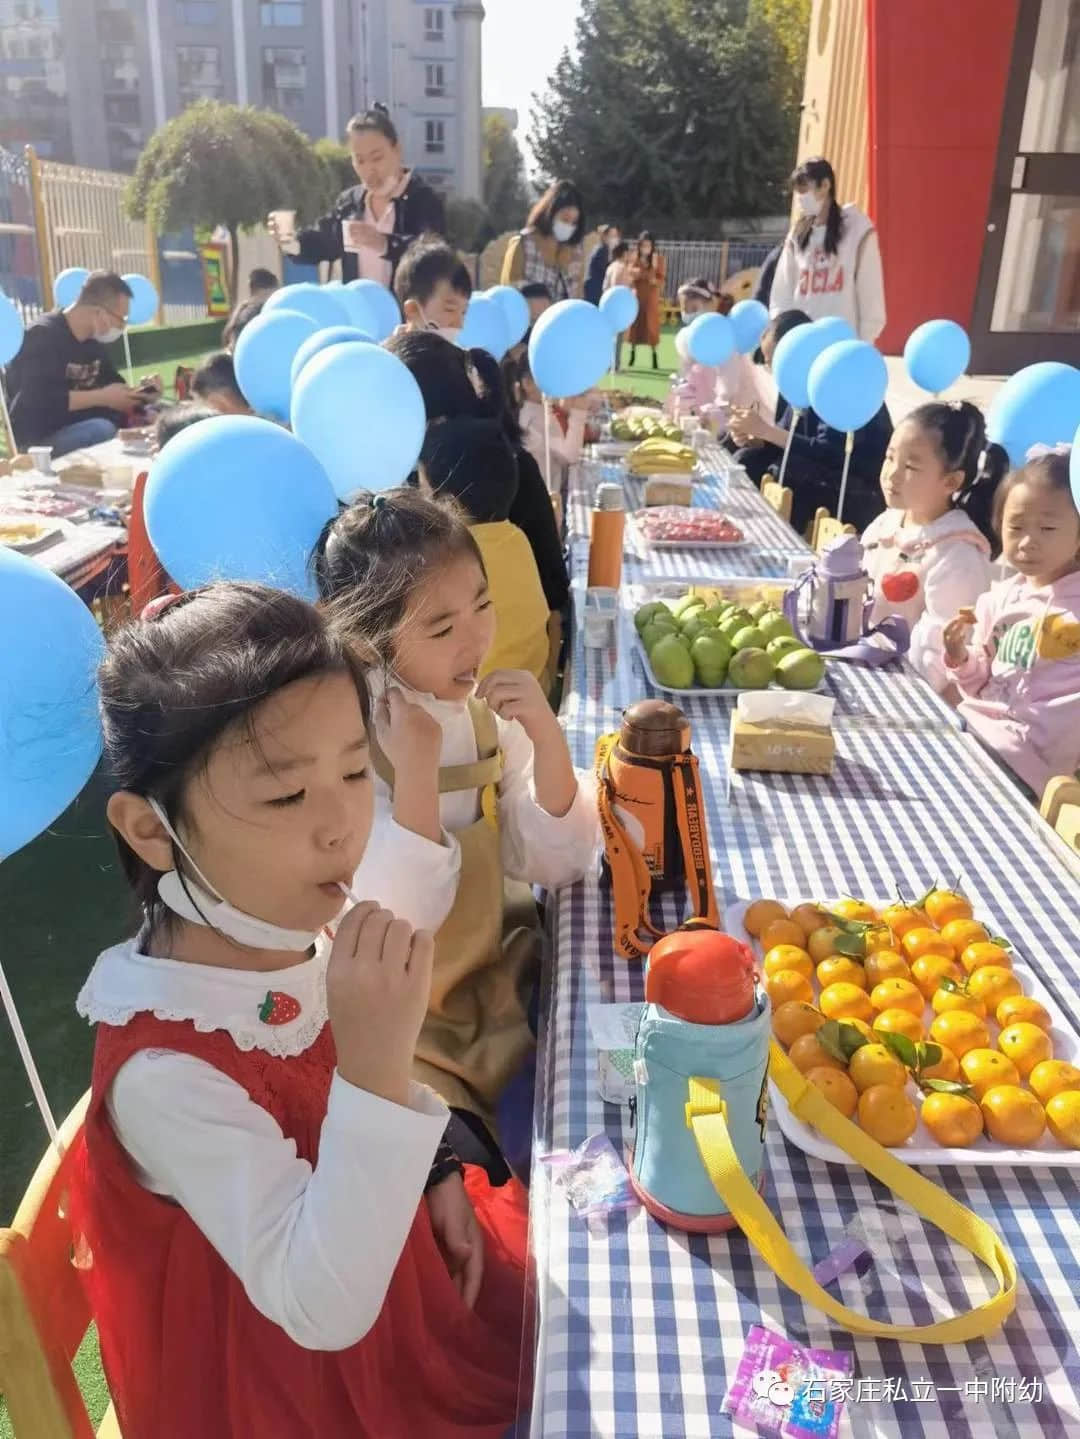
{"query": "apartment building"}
pixel 89 81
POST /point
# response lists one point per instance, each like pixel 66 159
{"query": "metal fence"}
pixel 719 261
pixel 20 266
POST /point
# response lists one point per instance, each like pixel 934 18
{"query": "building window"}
pixel 281 12
pixel 119 72
pixel 284 79
pixel 435 137
pixel 198 72
pixel 33 79
pixel 434 80
pixel 196 12
pixel 434 22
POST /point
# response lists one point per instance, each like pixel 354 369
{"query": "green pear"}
pixel 782 645
pixel 645 613
pixel 762 607
pixel 801 670
pixel 671 663
pixel 711 654
pixel 748 638
pixel 654 631
pixel 695 626
pixel 773 625
pixel 686 604
pixel 750 670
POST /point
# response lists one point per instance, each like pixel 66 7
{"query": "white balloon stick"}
pixel 796 415
pixel 849 445
pixel 127 356
pixel 547 443
pixel 28 1061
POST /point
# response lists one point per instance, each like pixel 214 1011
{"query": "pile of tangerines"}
pixel 908 1000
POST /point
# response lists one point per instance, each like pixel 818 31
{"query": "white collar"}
pixel 125 982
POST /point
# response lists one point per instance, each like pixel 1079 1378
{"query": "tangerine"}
pixel 788 984
pixel 960 1030
pixel 887 1114
pixel 902 917
pixel 876 1064
pixel 947 1067
pixel 822 942
pixel 857 909
pixel 879 940
pixel 839 968
pixel 1026 1045
pixel 954 1120
pixel 897 994
pixel 950 1001
pixel 760 913
pixel 794 1018
pixel 983 1068
pixel 788 956
pixel 1022 1007
pixel 930 969
pixel 837 1089
pixel 1013 1116
pixel 806 1054
pixel 944 905
pixel 808 917
pixel 962 932
pixel 992 983
pixel 900 1021
pixel 984 952
pixel 1063 1118
pixel 885 964
pixel 781 931
pixel 917 942
pixel 845 1001
pixel 1053 1076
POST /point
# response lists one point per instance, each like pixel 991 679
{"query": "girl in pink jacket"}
pixel 708 391
pixel 1020 673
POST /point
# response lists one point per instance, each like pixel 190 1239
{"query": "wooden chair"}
pixel 1061 808
pixel 780 497
pixel 825 529
pixel 43 1308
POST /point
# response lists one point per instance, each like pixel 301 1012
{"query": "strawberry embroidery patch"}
pixel 278 1008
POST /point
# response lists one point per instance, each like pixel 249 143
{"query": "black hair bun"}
pixel 380 108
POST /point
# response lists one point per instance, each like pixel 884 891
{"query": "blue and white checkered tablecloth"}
pixel 641 1328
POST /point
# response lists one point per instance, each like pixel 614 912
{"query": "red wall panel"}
pixel 938 75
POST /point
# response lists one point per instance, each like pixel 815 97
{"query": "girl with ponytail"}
pixel 929 553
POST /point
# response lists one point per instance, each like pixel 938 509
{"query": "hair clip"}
pixel 956 405
pixel 157 607
pixel 378 502
pixel 1040 452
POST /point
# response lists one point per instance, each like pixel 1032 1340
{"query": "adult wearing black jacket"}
pixel 372 224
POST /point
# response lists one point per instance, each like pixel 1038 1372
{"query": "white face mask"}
pixel 563 231
pixel 206 906
pixel 108 336
pixel 809 203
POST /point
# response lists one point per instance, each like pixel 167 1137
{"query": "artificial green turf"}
pixel 642 379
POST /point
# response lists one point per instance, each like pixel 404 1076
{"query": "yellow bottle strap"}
pixel 706 1115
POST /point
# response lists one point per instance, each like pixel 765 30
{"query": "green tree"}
pixel 789 22
pixel 467 225
pixel 336 161
pixel 506 198
pixel 219 164
pixel 668 110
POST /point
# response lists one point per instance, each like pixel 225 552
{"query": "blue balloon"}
pixel 936 354
pixel 359 410
pixel 322 340
pixel 384 308
pixel 848 383
pixel 68 285
pixel 1039 405
pixel 319 304
pixel 619 307
pixel 792 358
pixel 484 327
pixel 569 349
pixel 515 310
pixel 836 327
pixel 50 734
pixel 711 339
pixel 238 498
pixel 749 318
pixel 144 299
pixel 358 308
pixel 263 359
pixel 11 330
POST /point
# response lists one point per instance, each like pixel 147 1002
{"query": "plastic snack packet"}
pixel 782 1389
pixel 593 1177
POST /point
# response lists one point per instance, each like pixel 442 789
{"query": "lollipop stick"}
pixel 849 445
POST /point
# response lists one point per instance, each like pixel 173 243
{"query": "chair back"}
pixel 827 529
pixel 44 1312
pixel 780 497
pixel 1060 808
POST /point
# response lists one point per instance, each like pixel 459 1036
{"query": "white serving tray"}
pixel 921 1149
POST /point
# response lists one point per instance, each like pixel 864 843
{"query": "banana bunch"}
pixel 658 456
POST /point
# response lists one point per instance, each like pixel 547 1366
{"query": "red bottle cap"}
pixel 702 976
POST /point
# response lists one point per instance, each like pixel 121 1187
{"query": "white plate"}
pixel 701 691
pixel 613 449
pixel 921 1148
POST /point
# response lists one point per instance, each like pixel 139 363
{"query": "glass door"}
pixel 1027 306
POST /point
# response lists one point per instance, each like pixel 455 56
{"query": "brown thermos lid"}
pixel 652 728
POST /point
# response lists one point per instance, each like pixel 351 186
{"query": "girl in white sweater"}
pixel 929 553
pixel 830 263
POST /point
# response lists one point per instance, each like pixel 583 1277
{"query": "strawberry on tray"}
pixel 679 525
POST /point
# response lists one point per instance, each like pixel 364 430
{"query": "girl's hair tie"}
pixel 157 607
pixel 378 502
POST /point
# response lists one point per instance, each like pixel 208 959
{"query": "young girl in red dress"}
pixel 277 1240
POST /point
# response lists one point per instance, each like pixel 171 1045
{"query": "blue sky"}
pixel 522 43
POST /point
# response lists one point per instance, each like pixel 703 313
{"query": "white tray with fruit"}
pixel 694 646
pixel 920 1025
